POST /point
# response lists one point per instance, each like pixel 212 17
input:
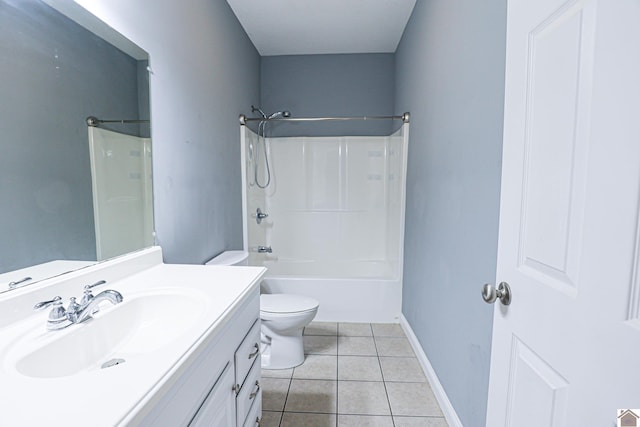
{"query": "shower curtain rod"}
pixel 94 121
pixel 244 119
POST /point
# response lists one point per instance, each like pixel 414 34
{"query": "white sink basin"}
pixel 142 324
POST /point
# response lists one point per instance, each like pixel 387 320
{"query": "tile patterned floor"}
pixel 355 374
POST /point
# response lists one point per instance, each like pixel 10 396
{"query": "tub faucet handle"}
pixel 260 215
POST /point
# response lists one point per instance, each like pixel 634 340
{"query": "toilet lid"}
pixel 286 303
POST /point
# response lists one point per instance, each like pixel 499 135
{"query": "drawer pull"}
pixel 255 353
pixel 255 393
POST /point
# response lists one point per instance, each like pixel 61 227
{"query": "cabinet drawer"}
pixel 249 393
pixel 255 414
pixel 247 353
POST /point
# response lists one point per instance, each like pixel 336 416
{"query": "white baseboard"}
pixel 443 400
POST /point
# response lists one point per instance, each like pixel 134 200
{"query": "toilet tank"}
pixel 230 258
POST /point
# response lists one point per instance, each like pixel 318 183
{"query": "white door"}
pixel 566 352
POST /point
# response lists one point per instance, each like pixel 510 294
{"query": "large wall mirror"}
pixel 71 194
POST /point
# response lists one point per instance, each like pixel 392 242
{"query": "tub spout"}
pixel 264 249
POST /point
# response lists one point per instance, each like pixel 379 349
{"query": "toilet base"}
pixel 282 351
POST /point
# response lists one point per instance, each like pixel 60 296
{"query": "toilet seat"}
pixel 274 304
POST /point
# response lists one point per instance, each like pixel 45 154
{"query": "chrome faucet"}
pixel 264 249
pixel 78 313
pixel 59 318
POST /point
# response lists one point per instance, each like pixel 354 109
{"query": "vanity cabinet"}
pixel 221 387
pixel 187 337
pixel 218 410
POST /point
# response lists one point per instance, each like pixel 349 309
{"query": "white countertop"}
pixel 106 397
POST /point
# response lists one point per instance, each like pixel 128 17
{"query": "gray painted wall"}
pixel 206 72
pixel 329 85
pixel 54 74
pixel 450 75
pixel 144 103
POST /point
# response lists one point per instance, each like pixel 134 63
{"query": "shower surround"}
pixel 335 224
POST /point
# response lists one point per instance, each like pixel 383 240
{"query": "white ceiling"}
pixel 298 27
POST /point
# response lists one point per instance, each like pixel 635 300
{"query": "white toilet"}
pixel 230 258
pixel 283 317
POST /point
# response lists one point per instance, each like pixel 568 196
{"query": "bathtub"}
pixel 335 225
pixel 347 292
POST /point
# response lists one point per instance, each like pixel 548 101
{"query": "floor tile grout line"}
pixel 337 371
pixel 361 414
pixel 352 381
pixel 381 372
pixel 286 398
pixel 362 355
pixel 386 392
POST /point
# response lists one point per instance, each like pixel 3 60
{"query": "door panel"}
pixel 532 379
pixel 554 161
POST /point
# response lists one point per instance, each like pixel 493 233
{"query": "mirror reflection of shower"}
pixel 265 146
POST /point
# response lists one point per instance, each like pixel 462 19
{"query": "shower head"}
pixel 254 109
pixel 275 115
pixel 280 114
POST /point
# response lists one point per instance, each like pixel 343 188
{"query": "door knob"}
pixel 502 292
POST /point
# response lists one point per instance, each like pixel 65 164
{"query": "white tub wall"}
pixel 328 198
pixel 366 196
pixel 397 155
pixel 345 300
pixel 336 269
pixel 393 206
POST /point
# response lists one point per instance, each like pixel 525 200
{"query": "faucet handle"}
pixel 88 296
pixel 56 301
pixel 57 315
pixel 98 283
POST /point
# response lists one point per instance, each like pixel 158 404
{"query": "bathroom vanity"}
pixel 181 349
